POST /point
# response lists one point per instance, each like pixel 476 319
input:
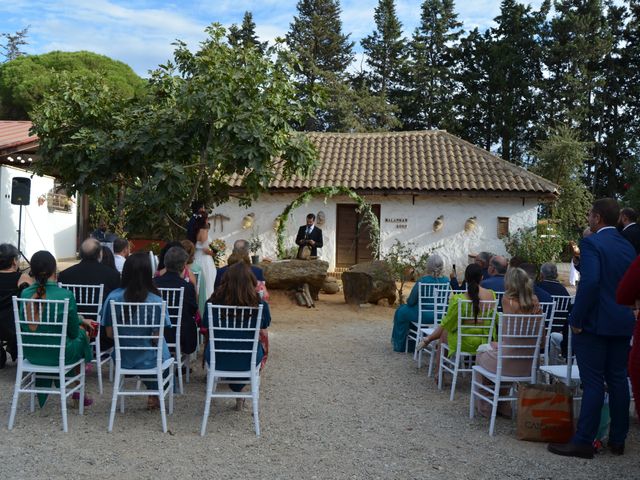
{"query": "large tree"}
pixel 429 77
pixel 208 116
pixel 25 80
pixel 246 35
pixel 385 49
pixel 14 42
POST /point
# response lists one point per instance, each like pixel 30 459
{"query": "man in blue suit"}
pixel 602 332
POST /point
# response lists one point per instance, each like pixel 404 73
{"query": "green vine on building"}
pixel 364 209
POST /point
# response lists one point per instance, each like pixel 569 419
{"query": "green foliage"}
pixel 220 112
pixel 364 209
pixel 404 264
pixel 255 244
pixel 534 248
pixel 25 81
pixel 561 159
pixel 245 36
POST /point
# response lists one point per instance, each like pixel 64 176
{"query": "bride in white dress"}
pixel 205 260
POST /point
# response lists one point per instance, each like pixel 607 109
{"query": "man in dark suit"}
pixel 629 228
pixel 91 272
pixel 309 235
pixel 496 271
pixel 174 262
pixel 601 333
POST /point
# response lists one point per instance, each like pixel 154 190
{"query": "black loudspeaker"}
pixel 20 190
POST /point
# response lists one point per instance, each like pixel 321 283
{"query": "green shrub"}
pixel 533 248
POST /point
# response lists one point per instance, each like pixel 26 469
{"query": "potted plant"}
pixel 255 244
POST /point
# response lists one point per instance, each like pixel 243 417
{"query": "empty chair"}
pixel 441 302
pixel 555 341
pixel 89 302
pixel 426 318
pixel 514 359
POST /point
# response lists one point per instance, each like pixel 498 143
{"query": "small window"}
pixel 503 227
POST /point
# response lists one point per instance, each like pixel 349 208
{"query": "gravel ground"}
pixel 336 402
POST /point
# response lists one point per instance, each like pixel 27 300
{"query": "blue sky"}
pixel 140 32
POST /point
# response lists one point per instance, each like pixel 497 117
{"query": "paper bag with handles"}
pixel 545 413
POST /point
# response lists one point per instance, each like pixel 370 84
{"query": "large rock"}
pixel 368 282
pixel 330 286
pixel 286 274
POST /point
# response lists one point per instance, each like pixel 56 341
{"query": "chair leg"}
pixel 82 378
pixel 114 400
pixel 99 364
pixel 171 382
pixel 254 400
pixel 440 367
pixel 472 401
pixel 494 408
pixel 110 369
pixel 207 403
pixel 454 380
pixel 179 364
pixel 16 395
pixel 32 395
pixel 63 402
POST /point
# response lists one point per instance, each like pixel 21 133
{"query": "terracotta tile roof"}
pixel 15 137
pixel 405 162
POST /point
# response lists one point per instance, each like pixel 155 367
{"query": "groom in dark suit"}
pixel 602 332
pixel 309 235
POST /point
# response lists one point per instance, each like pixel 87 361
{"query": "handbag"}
pixel 304 252
pixel 545 413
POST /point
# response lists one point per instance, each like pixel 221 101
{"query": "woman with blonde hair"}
pixel 405 314
pixel 518 299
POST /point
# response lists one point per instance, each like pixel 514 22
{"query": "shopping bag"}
pixel 545 413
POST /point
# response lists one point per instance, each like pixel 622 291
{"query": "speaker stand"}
pixel 20 236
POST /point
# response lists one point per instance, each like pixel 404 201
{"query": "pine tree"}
pixel 245 35
pixel 429 77
pixel 14 43
pixel 631 88
pixel 516 74
pixel 385 49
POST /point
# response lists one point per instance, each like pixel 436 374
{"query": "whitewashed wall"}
pixel 454 244
pixel 41 229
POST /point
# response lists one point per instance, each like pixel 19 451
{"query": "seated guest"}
pixel 91 272
pixel 407 313
pixel 518 299
pixel 482 260
pixel 43 267
pixel 186 274
pixel 629 228
pixel 11 279
pixel 241 250
pixel 108 259
pixel 550 284
pixel 174 262
pixel 138 287
pixel 447 330
pixel 238 289
pixel 497 269
pixel 541 294
pixel 194 269
pixel 120 252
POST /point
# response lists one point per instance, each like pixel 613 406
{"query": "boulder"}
pixel 330 286
pixel 368 282
pixel 286 274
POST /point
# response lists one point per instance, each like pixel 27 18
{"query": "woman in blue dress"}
pixel 405 314
pixel 238 288
pixel 137 286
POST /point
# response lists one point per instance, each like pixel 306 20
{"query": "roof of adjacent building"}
pixel 15 137
pixel 411 162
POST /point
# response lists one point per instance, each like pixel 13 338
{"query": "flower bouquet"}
pixel 219 248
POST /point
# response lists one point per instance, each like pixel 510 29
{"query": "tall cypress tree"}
pixel 385 49
pixel 429 78
pixel 631 62
pixel 245 35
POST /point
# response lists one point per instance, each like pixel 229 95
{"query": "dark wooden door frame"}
pixel 358 244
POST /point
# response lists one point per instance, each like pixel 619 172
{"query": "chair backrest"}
pixel 174 297
pixel 499 296
pixel 441 302
pixel 519 339
pixel 548 310
pixel 154 262
pixel 138 327
pixel 426 299
pixel 50 317
pixel 88 299
pixel 198 276
pixel 234 333
pixel 467 324
pixel 563 304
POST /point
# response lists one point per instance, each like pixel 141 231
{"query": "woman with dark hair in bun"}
pixel 448 328
pixel 45 286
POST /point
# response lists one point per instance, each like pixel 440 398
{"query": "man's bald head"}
pixel 241 247
pixel 498 265
pixel 90 249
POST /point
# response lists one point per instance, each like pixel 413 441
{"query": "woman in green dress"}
pixel 447 332
pixel 43 269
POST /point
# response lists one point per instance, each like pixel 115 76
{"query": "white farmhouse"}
pixel 424 186
pixel 49 221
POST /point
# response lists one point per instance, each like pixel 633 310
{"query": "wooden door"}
pixel 352 239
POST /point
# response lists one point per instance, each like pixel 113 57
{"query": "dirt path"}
pixel 336 402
